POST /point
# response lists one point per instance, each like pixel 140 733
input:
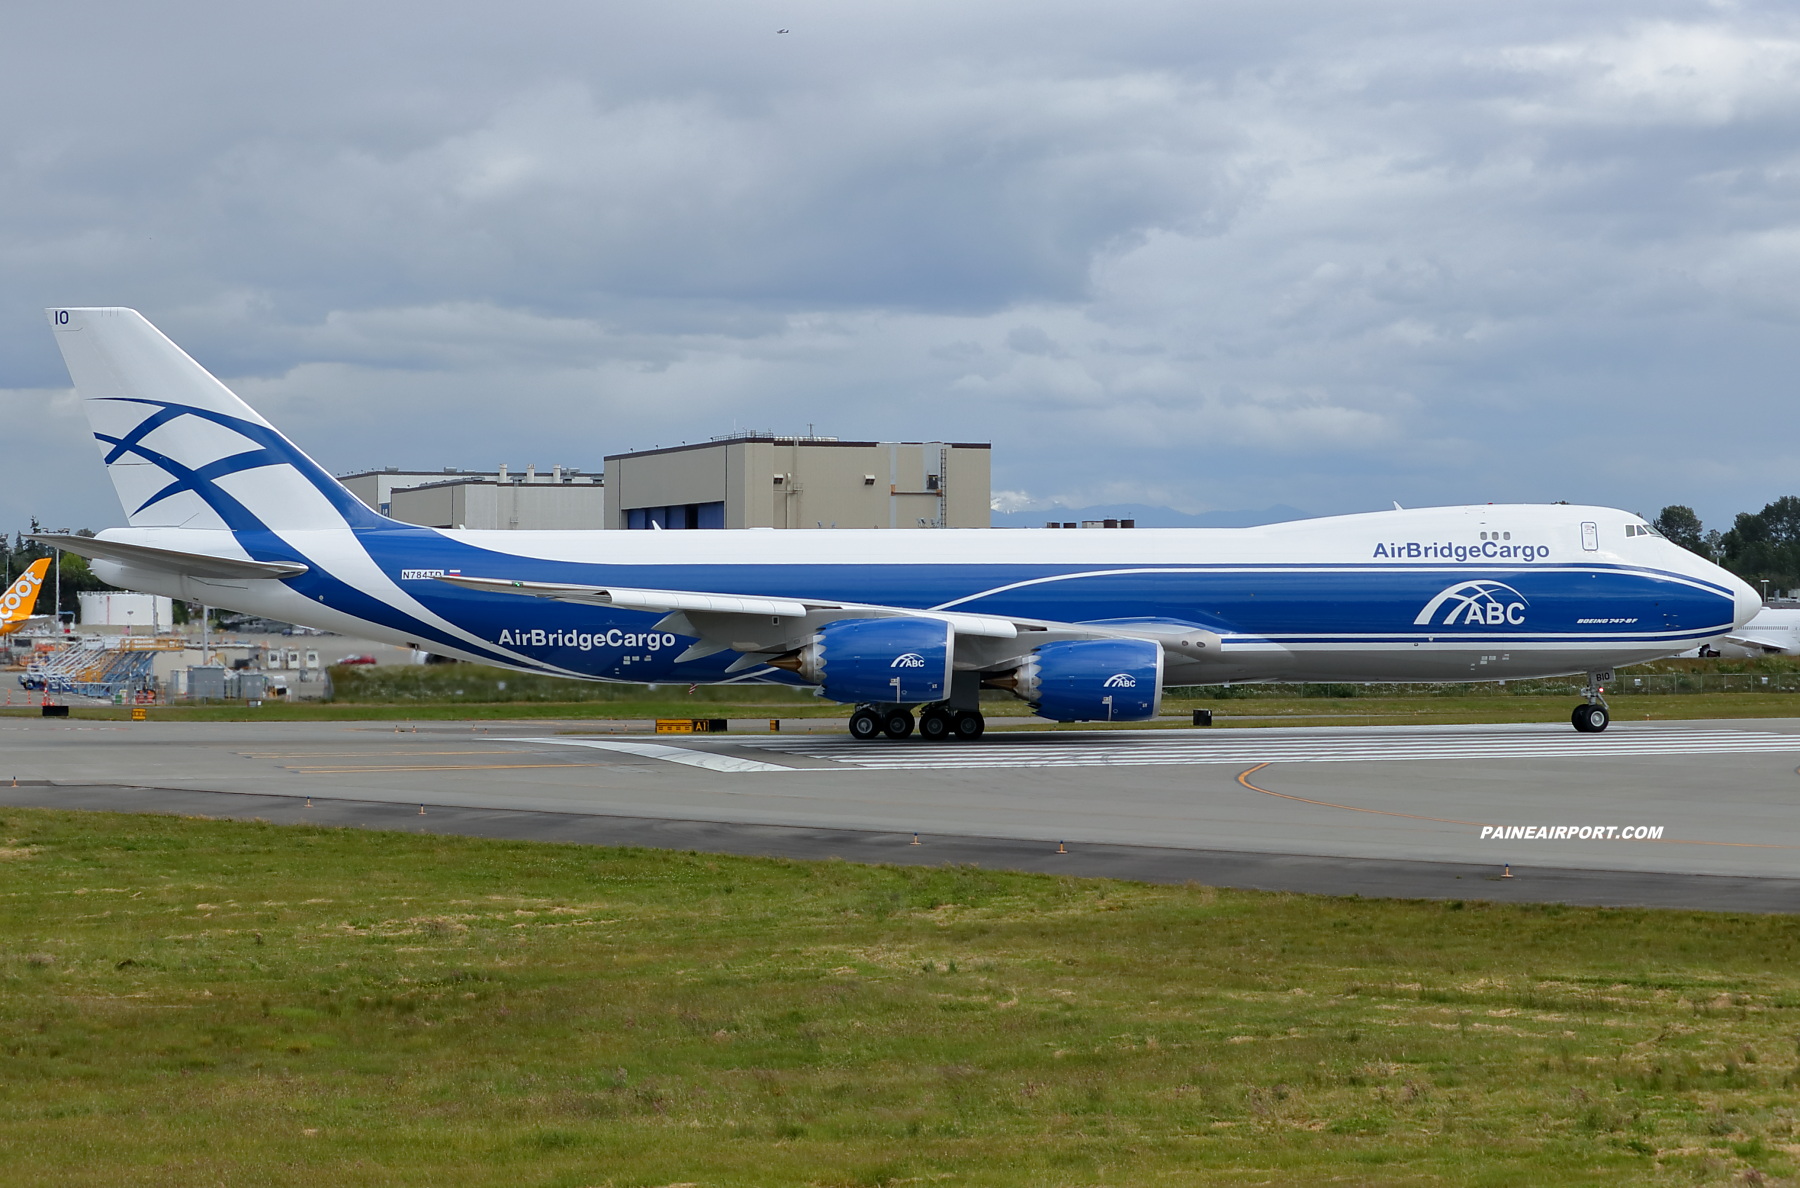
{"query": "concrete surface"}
pixel 1376 810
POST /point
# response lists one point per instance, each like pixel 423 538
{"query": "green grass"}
pixel 190 1001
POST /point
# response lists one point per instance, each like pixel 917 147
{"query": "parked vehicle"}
pixel 357 660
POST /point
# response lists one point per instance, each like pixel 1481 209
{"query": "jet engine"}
pixel 1084 680
pixel 898 661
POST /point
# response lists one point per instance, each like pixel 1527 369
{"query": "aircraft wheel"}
pixel 969 725
pixel 1591 719
pixel 865 724
pixel 935 724
pixel 898 724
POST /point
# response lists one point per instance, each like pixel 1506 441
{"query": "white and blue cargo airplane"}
pixel 1083 625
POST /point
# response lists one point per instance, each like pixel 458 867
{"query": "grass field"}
pixel 202 1002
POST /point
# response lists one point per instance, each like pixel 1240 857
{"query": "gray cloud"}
pixel 1219 256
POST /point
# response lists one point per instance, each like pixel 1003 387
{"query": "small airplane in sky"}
pixel 1082 626
pixel 17 603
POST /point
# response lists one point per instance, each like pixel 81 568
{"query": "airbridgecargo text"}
pixel 587 641
pixel 1573 832
pixel 1491 550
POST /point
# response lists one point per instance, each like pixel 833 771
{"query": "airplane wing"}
pixel 196 565
pixel 1751 641
pixel 759 626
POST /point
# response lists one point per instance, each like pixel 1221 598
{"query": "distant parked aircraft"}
pixel 226 511
pixel 1773 632
pixel 16 604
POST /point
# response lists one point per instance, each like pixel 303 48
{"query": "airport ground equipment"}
pixel 98 666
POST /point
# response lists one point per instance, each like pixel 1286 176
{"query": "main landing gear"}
pixel 1593 717
pixel 937 723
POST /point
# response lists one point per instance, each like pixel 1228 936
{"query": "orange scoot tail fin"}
pixel 18 602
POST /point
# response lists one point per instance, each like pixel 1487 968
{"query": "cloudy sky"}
pixel 1213 256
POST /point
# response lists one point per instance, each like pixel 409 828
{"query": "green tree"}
pixel 1682 526
pixel 1765 544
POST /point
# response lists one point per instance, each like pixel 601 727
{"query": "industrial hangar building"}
pixel 754 480
pixel 746 480
pixel 503 499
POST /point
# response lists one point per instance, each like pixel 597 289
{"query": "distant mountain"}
pixel 1146 516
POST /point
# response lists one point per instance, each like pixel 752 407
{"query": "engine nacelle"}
pixel 1085 680
pixel 903 661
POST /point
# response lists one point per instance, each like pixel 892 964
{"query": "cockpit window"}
pixel 1640 530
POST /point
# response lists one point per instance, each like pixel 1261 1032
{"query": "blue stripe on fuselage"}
pixel 1294 604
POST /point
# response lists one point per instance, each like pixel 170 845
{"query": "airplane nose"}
pixel 1748 602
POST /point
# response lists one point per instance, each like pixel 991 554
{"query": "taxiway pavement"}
pixel 1371 810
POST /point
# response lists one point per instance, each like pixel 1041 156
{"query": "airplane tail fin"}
pixel 20 599
pixel 182 450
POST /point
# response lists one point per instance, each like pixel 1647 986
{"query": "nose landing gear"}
pixel 1593 717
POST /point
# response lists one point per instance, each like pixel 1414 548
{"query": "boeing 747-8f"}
pixel 1083 626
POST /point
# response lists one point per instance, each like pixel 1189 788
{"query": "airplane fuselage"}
pixel 1462 593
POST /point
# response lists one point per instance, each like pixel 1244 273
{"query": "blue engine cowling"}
pixel 1086 680
pixel 900 661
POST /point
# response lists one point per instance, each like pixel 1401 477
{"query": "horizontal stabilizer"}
pixel 195 565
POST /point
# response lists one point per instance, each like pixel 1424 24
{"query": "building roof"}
pixel 774 439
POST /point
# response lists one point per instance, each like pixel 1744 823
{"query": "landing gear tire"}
pixel 936 724
pixel 897 724
pixel 1590 719
pixel 865 724
pixel 969 725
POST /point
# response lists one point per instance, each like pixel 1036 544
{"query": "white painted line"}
pixel 670 754
pixel 1269 747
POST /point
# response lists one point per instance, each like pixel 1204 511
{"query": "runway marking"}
pixel 430 767
pixel 647 750
pixel 1244 779
pixel 357 754
pixel 1273 746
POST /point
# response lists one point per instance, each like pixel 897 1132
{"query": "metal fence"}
pixel 1624 684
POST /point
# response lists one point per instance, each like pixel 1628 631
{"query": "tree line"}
pixel 1758 545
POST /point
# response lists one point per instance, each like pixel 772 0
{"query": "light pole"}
pixel 1765 585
